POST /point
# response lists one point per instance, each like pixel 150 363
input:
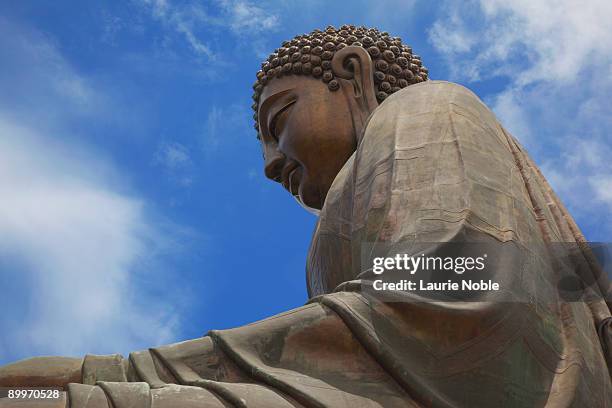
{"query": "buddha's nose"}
pixel 275 160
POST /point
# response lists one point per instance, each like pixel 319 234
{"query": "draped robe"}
pixel 433 165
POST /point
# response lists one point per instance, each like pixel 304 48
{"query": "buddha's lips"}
pixel 295 178
pixel 287 175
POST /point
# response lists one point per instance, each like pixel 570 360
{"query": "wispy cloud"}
pixel 530 41
pixel 245 18
pixel 111 27
pixel 176 161
pixel 183 20
pixel 556 57
pixel 37 82
pixel 173 155
pixel 79 241
pixel 197 24
pixel 72 235
pixel 224 124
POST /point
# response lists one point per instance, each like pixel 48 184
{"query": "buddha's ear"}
pixel 354 64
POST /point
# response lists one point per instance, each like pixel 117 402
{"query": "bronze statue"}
pixel 354 130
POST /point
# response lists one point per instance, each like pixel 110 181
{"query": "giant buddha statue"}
pixel 354 130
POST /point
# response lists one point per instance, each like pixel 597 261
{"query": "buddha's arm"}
pixel 41 372
pixel 95 380
pixel 286 361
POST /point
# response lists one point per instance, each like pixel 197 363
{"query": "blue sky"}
pixel 134 210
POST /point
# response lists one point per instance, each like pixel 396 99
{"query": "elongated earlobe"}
pixel 355 65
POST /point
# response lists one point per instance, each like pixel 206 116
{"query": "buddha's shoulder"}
pixel 432 92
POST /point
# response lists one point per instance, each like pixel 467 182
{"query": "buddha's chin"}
pixel 311 195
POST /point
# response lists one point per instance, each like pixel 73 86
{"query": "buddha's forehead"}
pixel 273 88
pixel 292 83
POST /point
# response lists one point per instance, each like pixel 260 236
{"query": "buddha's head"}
pixel 313 97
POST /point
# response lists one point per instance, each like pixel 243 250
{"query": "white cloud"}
pixel 111 27
pixel 602 185
pixel 176 161
pixel 563 37
pixel 530 40
pixel 508 106
pixel 244 17
pixel 556 58
pixel 195 22
pixel 224 125
pixel 183 21
pixel 70 234
pixel 214 124
pixel 173 155
pixel 37 83
pixel 449 36
pixel 81 242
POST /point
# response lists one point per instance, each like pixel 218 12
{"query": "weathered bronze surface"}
pixel 426 163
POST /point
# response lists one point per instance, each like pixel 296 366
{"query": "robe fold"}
pixel 432 166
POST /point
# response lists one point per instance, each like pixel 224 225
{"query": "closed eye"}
pixel 276 120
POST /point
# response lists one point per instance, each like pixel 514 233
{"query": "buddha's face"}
pixel 307 134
